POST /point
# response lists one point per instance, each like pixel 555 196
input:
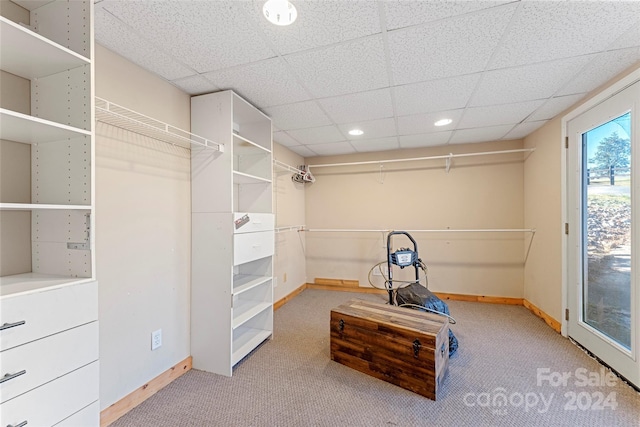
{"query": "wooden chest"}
pixel 408 348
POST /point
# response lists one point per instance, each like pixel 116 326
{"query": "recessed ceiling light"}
pixel 355 132
pixel 443 122
pixel 279 12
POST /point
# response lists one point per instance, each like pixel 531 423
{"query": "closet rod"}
pixel 289 228
pixel 443 157
pixel 285 166
pixel 448 230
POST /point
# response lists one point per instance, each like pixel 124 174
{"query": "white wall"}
pixel 289 205
pixel 143 229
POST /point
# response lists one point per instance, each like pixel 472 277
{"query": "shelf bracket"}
pixel 86 245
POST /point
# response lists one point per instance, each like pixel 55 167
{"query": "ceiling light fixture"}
pixel 355 132
pixel 443 122
pixel 279 12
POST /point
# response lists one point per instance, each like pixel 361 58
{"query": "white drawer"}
pixel 255 222
pixel 53 402
pixel 251 246
pixel 87 417
pixel 47 312
pixel 47 359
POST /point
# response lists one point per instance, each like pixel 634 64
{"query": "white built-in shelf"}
pixel 245 178
pixel 27 129
pixel 244 282
pixel 245 340
pixel 35 206
pixel 20 284
pixel 44 56
pixel 124 118
pixel 242 145
pixel 244 310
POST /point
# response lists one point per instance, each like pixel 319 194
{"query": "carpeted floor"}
pixel 505 352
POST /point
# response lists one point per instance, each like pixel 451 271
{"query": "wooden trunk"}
pixel 406 347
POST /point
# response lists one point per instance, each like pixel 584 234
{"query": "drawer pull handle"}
pixel 8 377
pixel 22 424
pixel 12 325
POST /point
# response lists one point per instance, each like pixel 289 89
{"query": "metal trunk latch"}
pixel 341 325
pixel 416 347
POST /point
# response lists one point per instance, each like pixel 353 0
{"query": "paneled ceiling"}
pixel 498 69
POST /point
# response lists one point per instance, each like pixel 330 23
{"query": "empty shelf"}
pixel 27 129
pixel 245 310
pixel 245 340
pixel 244 282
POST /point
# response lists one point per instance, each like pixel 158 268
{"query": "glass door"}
pixel 603 217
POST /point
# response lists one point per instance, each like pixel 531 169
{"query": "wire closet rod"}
pixel 448 230
pixel 285 166
pixel 445 157
pixel 289 228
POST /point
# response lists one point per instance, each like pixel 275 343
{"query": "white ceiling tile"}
pixel 494 115
pixel 446 48
pixel 379 144
pixel 263 83
pixel 115 35
pixel 425 139
pixel 349 108
pixel 372 129
pixel 317 135
pixel 354 66
pixel 492 133
pixel 553 107
pixel 524 83
pixel 435 95
pixel 544 30
pixel 283 138
pixel 195 85
pixel 631 38
pixel 601 69
pixel 303 151
pixel 320 23
pixel 205 35
pixel 524 129
pixel 405 13
pixel 333 148
pixel 297 116
pixel 424 123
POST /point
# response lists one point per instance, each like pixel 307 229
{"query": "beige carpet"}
pixel 291 380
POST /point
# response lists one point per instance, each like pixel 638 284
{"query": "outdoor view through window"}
pixel 607 219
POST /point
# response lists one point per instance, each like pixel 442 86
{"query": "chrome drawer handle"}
pixel 12 325
pixel 22 424
pixel 8 377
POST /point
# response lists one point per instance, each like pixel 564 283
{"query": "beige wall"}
pixel 289 206
pixel 143 232
pixel 543 204
pixel 477 193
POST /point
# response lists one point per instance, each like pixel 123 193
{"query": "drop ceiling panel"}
pixel 349 108
pixel 379 144
pixel 492 133
pixel 544 31
pixel 283 138
pixel 297 116
pixel 400 14
pixel 424 139
pixel 265 83
pixel 206 36
pixel 447 48
pixel 115 35
pixel 317 135
pixel 349 20
pixel 435 95
pixel 553 107
pixel 372 129
pixel 355 66
pixel 424 123
pixel 524 129
pixel 303 151
pixel 498 114
pixel 525 83
pixel 629 39
pixel 195 85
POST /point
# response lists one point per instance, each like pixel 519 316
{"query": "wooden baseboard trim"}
pixel 553 323
pixel 345 289
pixel 343 283
pixel 127 403
pixel 289 297
pixel 479 298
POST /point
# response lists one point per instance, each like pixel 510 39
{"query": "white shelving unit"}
pixel 233 232
pixel 48 292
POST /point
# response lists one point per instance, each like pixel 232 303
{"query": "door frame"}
pixel 608 92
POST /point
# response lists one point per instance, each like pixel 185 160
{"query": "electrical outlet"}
pixel 156 339
pixel 284 278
